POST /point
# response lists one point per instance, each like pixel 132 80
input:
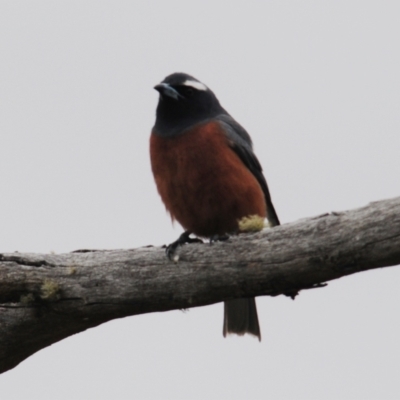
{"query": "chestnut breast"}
pixel 202 182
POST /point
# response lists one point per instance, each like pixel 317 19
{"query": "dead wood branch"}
pixel 45 298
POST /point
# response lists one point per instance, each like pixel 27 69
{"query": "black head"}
pixel 184 101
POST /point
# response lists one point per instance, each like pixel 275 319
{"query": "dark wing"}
pixel 241 144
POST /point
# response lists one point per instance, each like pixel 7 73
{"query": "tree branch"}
pixel 45 298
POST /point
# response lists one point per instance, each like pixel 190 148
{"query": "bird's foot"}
pixel 218 238
pixel 183 239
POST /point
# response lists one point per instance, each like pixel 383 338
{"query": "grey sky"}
pixel 317 86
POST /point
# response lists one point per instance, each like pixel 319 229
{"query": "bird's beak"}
pixel 166 90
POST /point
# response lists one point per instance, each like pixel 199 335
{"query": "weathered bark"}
pixel 45 298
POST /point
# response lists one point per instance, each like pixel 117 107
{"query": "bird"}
pixel 207 175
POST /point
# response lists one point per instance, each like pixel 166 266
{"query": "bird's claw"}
pixel 183 239
pixel 218 238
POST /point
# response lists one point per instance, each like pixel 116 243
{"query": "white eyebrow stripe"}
pixel 195 85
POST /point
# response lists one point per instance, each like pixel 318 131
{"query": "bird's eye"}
pixel 189 91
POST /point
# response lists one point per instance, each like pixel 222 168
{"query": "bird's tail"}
pixel 240 317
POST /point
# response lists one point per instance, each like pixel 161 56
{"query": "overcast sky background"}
pixel 315 83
